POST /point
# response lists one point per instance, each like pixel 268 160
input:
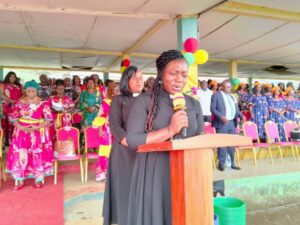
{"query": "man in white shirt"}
pixel 204 97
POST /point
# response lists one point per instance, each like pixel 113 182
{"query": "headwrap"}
pixel 288 90
pixel 167 57
pixel 32 84
pixel 213 83
pixel 267 86
pixel 241 84
pixel 276 88
pixel 257 83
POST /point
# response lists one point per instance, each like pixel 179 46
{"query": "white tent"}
pixel 95 34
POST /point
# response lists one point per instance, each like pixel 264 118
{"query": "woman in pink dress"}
pixel 101 168
pixel 30 154
pixel 12 92
pixel 61 106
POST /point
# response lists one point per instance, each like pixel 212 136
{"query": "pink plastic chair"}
pixel 288 127
pixel 250 130
pixel 65 134
pixel 272 133
pixel 76 118
pixel 92 140
pixel 208 129
pixel 2 163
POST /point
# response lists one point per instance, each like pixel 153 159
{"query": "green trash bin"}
pixel 231 211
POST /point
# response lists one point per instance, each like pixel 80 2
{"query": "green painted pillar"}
pixel 1 73
pixel 250 80
pixel 105 76
pixel 187 27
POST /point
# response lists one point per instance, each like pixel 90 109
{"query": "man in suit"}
pixel 225 119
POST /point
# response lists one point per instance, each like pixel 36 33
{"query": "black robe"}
pixel 120 165
pixel 150 194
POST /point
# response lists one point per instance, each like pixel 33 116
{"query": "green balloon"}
pixel 235 81
pixel 189 57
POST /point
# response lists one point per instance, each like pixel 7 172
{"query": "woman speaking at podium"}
pixel 152 119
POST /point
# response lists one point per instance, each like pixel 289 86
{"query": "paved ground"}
pixel 280 215
pixel 83 202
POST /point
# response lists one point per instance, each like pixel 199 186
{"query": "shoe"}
pixel 235 168
pixel 38 185
pixel 221 167
pixel 101 177
pixel 19 187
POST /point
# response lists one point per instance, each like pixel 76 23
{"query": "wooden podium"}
pixel 191 174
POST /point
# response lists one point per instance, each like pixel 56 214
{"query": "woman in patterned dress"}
pixel 30 154
pixel 12 92
pixel 292 106
pixel 101 168
pixel 90 103
pixel 277 111
pixel 243 100
pixel 62 106
pixel 258 106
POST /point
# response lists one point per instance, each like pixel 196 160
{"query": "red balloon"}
pixel 125 62
pixel 191 45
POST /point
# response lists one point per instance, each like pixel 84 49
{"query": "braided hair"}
pixel 161 63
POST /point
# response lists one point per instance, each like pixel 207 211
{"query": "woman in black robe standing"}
pixel 121 160
pixel 152 120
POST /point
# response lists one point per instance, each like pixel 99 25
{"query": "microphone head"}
pixel 178 101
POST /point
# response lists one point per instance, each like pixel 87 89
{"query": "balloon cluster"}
pixel 124 64
pixel 235 83
pixel 192 54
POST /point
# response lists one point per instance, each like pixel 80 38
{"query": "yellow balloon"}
pixel 201 56
pixel 123 68
pixel 235 87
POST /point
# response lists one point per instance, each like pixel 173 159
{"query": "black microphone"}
pixel 179 104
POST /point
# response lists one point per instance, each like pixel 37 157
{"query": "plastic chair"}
pixel 208 129
pixel 250 130
pixel 288 127
pixel 65 134
pixel 272 134
pixel 2 163
pixel 92 140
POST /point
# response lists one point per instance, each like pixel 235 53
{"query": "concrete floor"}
pixel 83 202
pixel 280 215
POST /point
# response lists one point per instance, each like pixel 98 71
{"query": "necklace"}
pixel 32 105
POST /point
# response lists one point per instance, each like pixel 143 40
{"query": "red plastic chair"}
pixel 288 127
pixel 272 133
pixel 92 140
pixel 65 134
pixel 2 163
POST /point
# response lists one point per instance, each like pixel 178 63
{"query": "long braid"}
pixel 153 106
pixel 161 64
